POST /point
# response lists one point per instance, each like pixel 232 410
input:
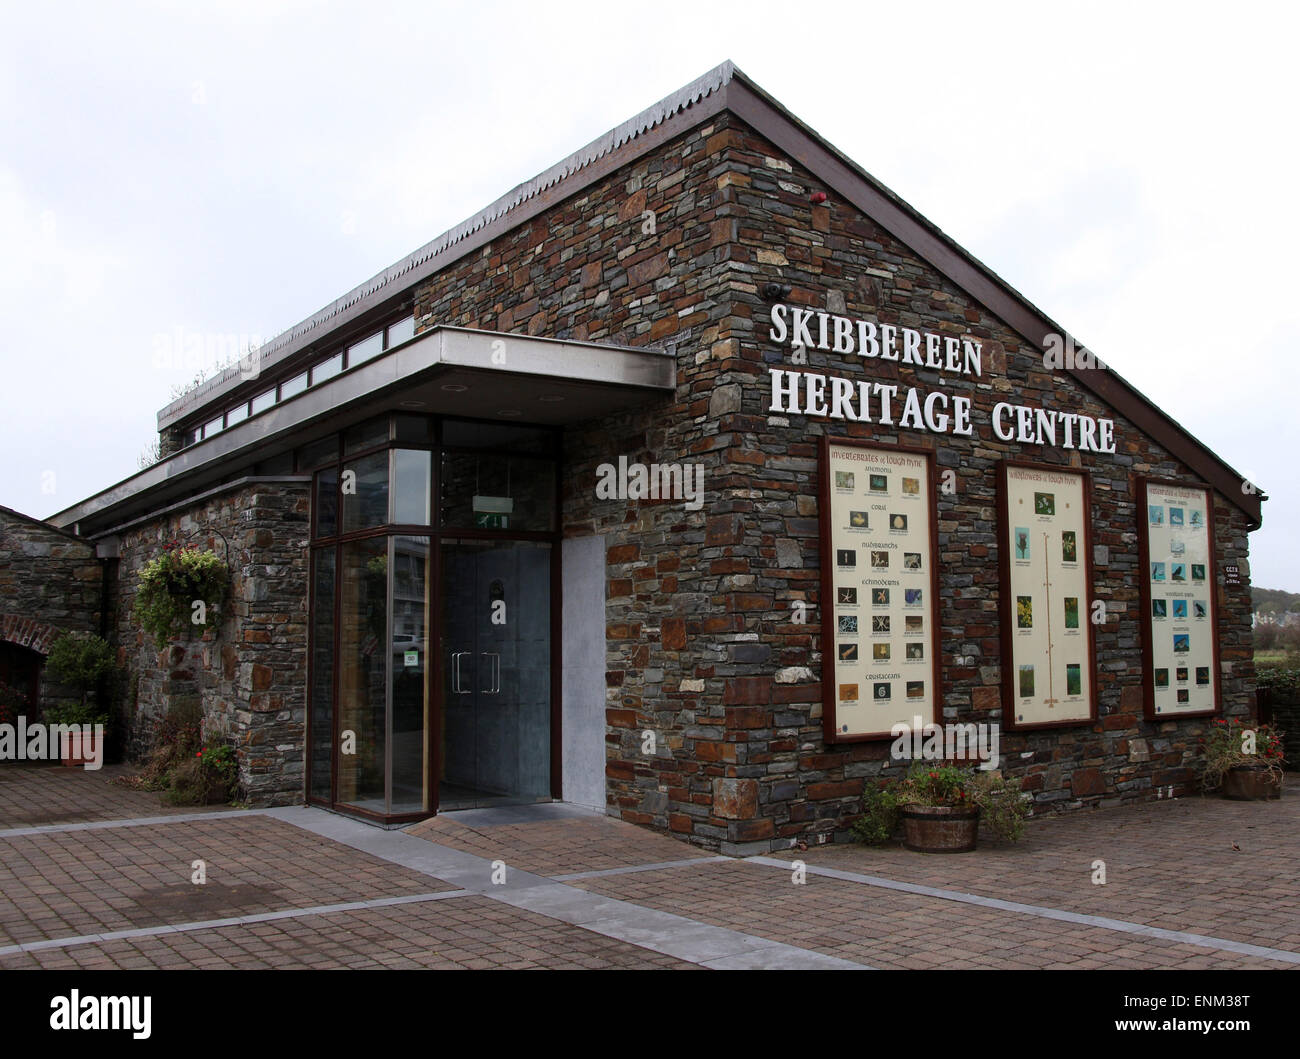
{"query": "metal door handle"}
pixel 455 673
pixel 496 673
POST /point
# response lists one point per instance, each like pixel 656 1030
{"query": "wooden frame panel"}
pixel 860 520
pixel 1173 545
pixel 1040 628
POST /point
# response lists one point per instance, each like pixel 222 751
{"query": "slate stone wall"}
pixel 714 697
pixel 249 675
pixel 50 583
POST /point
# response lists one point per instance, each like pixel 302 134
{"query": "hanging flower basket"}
pixel 180 593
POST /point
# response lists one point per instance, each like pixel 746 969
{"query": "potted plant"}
pixel 180 591
pixel 71 752
pixel 1243 761
pixel 81 660
pixel 941 807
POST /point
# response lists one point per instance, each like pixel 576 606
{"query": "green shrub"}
pixel 879 816
pixel 81 659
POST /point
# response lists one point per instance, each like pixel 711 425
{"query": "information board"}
pixel 1181 640
pixel 1048 674
pixel 879 585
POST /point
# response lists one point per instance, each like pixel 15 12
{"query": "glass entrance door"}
pixel 495 744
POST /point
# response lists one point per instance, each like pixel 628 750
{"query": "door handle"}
pixel 455 673
pixel 496 673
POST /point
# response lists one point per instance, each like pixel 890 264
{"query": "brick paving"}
pixel 78 882
pixel 468 932
pixel 34 795
pixel 558 847
pixel 891 930
pixel 1169 864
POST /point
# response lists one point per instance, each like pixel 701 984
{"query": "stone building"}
pixel 51 582
pixel 564 505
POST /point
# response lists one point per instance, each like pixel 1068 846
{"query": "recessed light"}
pixel 551 397
pixel 454 387
pixel 509 412
pixel 412 404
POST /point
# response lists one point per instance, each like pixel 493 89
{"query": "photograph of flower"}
pixel 1022 542
pixel 1024 612
pixel 1069 547
pixel 1071 612
pixel 1026 681
pixel 1044 503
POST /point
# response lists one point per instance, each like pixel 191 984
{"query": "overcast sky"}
pixel 228 169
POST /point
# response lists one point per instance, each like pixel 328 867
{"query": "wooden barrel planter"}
pixel 1249 783
pixel 939 828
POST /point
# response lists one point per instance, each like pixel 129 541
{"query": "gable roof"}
pixel 725 88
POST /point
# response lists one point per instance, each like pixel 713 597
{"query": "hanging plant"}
pixel 180 593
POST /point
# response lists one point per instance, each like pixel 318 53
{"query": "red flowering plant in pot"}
pixel 1243 760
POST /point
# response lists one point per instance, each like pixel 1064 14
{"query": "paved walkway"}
pixel 95 876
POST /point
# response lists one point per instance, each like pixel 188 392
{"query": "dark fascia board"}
pixel 636 368
pixel 772 121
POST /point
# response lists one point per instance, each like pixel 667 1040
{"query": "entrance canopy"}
pixel 446 370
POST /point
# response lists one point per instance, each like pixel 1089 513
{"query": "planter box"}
pixel 939 828
pixel 1247 783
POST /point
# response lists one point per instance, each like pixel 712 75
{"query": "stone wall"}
pixel 50 582
pixel 701 650
pixel 249 674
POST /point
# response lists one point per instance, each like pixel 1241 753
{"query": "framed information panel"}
pixel 1049 675
pixel 1180 624
pixel 879 589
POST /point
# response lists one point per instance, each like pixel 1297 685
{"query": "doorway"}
pixel 495 659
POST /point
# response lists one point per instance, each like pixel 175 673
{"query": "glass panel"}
pixel 237 414
pixel 309 457
pixel 401 331
pixel 327 502
pixel 496 737
pixel 212 428
pixel 414 429
pixel 263 401
pixel 293 386
pixel 363 669
pixel 327 369
pixel 457 433
pixel 322 674
pixel 365 349
pixel 412 598
pixel 492 491
pixel 196 435
pixel 412 487
pixel 365 435
pixel 365 491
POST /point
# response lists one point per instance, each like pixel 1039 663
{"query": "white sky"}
pixel 229 169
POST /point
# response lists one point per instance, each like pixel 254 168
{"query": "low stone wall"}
pixel 249 674
pixel 50 583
